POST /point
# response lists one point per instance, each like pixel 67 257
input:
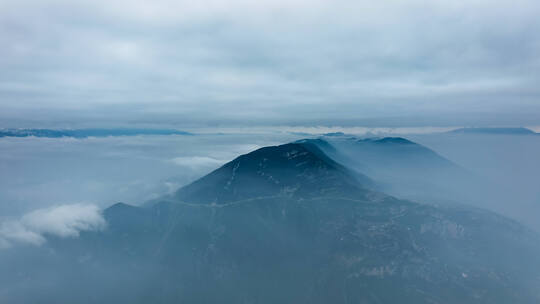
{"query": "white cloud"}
pixel 197 162
pixel 16 232
pixel 62 221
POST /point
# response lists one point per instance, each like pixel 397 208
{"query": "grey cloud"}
pixel 273 62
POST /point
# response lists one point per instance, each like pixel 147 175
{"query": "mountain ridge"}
pixel 85 133
pixel 293 169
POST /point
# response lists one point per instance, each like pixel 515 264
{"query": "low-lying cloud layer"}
pixel 40 172
pixel 60 221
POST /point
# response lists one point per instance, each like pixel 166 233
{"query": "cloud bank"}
pixel 60 221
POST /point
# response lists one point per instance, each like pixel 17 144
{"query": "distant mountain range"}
pixel 290 224
pixel 508 131
pixel 84 133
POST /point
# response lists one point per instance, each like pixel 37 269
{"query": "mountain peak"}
pixel 296 170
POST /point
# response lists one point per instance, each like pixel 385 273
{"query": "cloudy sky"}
pixel 296 62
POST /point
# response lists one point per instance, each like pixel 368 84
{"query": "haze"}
pixel 269 152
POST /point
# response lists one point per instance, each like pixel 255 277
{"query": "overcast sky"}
pixel 295 62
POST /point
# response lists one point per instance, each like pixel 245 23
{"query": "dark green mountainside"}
pixel 292 170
